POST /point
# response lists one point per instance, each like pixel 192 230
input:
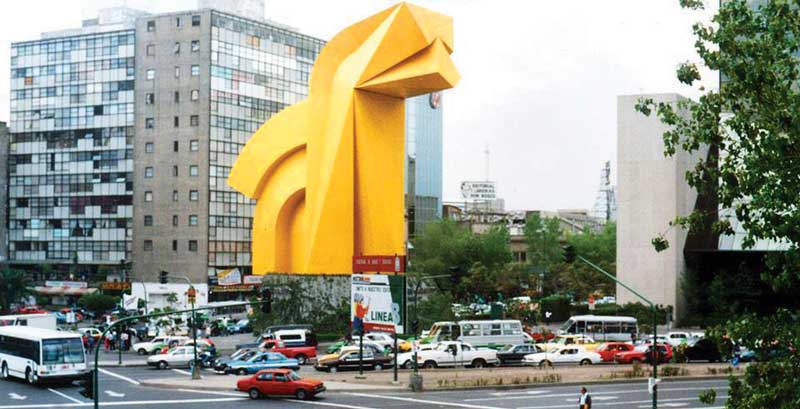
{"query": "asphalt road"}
pixel 120 387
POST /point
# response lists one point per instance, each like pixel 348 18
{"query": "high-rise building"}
pixel 423 160
pixel 3 192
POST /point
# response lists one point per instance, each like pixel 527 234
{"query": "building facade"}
pixel 423 160
pixel 3 192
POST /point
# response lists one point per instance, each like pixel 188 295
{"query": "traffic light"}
pixel 163 277
pixel 569 253
pixel 266 300
pixel 87 383
pixel 414 326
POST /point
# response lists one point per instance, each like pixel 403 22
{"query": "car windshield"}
pixel 510 348
pixel 62 351
pixel 293 376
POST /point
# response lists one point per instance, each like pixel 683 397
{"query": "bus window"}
pixel 511 328
pixel 580 327
pixel 471 330
pixel 594 327
pixel 496 329
pixel 456 331
pixel 612 327
pixel 629 327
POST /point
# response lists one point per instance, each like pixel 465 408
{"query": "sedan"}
pixel 180 356
pixel 264 360
pixel 279 382
pixel 644 353
pixel 703 350
pixel 609 349
pixel 514 354
pixel 350 360
pixel 563 355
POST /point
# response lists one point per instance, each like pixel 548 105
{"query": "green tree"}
pixel 13 287
pixel 754 119
pixel 543 236
pixel 98 303
pixel 580 280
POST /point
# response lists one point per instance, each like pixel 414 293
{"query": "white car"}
pixel 563 355
pixel 381 338
pixel 155 344
pixel 406 359
pixel 453 353
pixel 180 356
pixel 677 338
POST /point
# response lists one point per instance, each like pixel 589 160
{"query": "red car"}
pixel 301 354
pixel 644 353
pixel 609 349
pixel 279 382
pixel 31 309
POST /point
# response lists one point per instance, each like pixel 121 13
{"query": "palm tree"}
pixel 13 287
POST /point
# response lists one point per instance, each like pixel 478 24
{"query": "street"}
pixel 120 387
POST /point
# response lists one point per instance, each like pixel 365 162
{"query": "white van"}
pixel 602 328
pixel 491 333
pixel 295 337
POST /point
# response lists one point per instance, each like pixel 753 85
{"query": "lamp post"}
pixel 570 256
pixel 191 294
pixel 416 378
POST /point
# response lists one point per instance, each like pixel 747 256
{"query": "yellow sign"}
pixel 327 172
pixel 116 286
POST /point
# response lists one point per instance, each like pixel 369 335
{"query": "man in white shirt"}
pixel 585 401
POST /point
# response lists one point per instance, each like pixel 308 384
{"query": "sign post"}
pixel 192 294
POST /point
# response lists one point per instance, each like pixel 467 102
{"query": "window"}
pixel 192 245
pixel 151 25
pixel 192 220
pixel 177 22
pixel 176 49
pixel 194 120
pixel 149 147
pixel 148 196
pixel 195 95
pixel 149 123
pixel 151 74
pixel 195 21
pixel 195 70
pixel 148 245
pixel 177 71
pixel 148 220
pixel 148 172
pixel 193 170
pixel 174 219
pixel 176 96
pixel 174 146
pixel 175 171
pixel 195 46
pixel 174 195
pixel 174 245
pixel 149 98
pixel 193 195
pixel 151 50
pixel 193 145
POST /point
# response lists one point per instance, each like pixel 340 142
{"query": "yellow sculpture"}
pixel 327 172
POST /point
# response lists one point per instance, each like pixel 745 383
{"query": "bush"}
pixel 98 303
pixel 558 305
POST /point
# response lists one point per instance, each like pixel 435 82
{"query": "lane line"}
pixel 239 394
pixel 561 395
pixel 118 376
pixel 181 371
pixel 431 402
pixel 335 405
pixel 64 395
pixel 632 402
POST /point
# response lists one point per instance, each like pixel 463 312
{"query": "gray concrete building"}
pixel 3 192
pixel 651 192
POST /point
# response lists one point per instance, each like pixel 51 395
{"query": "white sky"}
pixel 539 78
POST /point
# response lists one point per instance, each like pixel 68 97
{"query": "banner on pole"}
pixel 377 302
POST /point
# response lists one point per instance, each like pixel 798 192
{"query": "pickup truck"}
pixel 451 353
pixel 301 354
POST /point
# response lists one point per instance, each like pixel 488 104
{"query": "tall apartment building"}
pixel 423 160
pixel 3 192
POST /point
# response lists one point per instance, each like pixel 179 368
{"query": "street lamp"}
pixel 191 293
pixel 570 255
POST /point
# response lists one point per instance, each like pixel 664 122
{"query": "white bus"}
pixel 37 354
pixel 46 321
pixel 601 327
pixel 491 333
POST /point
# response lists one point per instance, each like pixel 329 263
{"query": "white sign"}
pixel 229 277
pixel 66 284
pixel 252 280
pixel 478 190
pixel 130 302
pixel 372 306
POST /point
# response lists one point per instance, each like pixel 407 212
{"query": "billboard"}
pixel 377 302
pixel 472 190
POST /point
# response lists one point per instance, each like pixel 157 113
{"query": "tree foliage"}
pixel 542 236
pixel 753 120
pixel 13 288
pixel 98 303
pixel 581 280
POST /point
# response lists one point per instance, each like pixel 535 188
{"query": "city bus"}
pixel 38 355
pixel 601 327
pixel 491 333
pixel 46 321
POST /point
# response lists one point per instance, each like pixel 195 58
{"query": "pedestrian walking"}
pixel 106 342
pixel 585 400
pixel 90 344
pixel 124 337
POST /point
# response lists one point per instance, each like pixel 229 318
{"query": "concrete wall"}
pixel 652 191
pixel 193 264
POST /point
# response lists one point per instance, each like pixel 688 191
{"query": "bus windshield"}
pixel 62 351
pixel 567 325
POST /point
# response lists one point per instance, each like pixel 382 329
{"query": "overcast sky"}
pixel 539 78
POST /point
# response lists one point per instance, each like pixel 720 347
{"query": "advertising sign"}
pixel 116 286
pixel 256 280
pixel 478 190
pixel 377 302
pixel 66 284
pixel 130 302
pixel 379 264
pixel 229 277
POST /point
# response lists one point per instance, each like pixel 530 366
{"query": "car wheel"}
pixel 429 365
pixel 333 369
pixel 586 362
pixel 142 351
pixel 545 364
pixel 407 365
pixel 4 371
pixel 163 365
pixel 478 363
pixel 254 393
pixel 30 377
pixel 378 367
pixel 301 359
pixel 241 372
pixel 301 394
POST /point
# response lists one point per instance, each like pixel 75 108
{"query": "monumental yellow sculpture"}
pixel 327 173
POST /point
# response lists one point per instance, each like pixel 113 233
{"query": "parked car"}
pixel 263 360
pixel 677 338
pixel 703 349
pixel 91 332
pixel 336 348
pixel 607 350
pixel 386 341
pixel 240 327
pixel 280 382
pixel 350 360
pixel 644 353
pixel 453 353
pixel 406 359
pixel 302 354
pixel 145 348
pixel 571 354
pixel 515 353
pixel 240 354
pixel 586 342
pixel 180 356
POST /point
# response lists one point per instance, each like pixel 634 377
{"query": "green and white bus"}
pixel 488 333
pixel 601 327
pixel 37 355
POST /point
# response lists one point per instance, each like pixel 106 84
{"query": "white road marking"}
pixel 668 405
pixel 17 397
pixel 132 403
pixel 64 395
pixel 632 402
pixel 526 393
pixel 240 394
pixel 594 398
pixel 431 402
pixel 124 378
pixel 335 405
pixel 594 394
pixel 115 394
pixel 181 371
